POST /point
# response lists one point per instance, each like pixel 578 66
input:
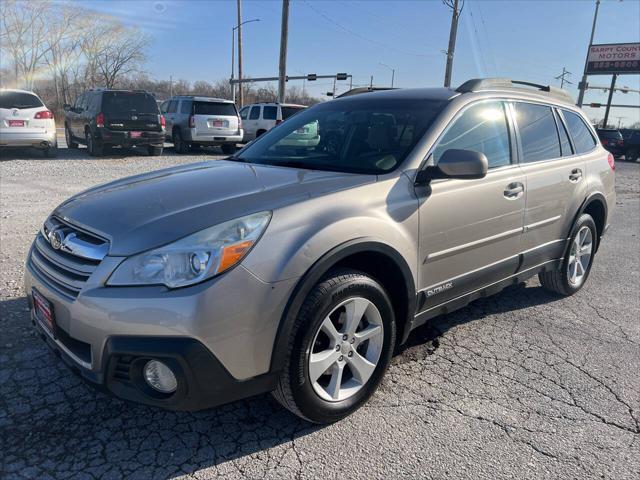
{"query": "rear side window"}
pixel 582 137
pixel 19 100
pixel 538 133
pixel 255 113
pixel 212 108
pixel 565 144
pixel 481 128
pixel 269 113
pixel 288 111
pixel 117 102
pixel 185 107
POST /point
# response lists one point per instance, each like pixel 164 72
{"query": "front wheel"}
pixel 69 138
pixel 577 263
pixel 340 347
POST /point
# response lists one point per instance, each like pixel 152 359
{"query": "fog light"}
pixel 160 377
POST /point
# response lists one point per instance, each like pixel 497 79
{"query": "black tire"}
pixel 294 389
pixel 260 132
pixel 94 150
pixel 69 138
pixel 154 151
pixel 178 142
pixel 228 148
pixel 52 151
pixel 557 281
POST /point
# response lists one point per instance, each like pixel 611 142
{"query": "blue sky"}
pixel 531 40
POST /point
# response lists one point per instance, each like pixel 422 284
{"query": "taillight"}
pixel 100 120
pixel 279 121
pixel 43 115
pixel 192 121
pixel 612 162
pixel 163 123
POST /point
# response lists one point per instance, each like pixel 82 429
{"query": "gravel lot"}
pixel 523 384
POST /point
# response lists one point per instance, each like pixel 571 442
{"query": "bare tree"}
pixel 121 54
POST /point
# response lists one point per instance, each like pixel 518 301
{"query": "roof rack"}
pixel 480 84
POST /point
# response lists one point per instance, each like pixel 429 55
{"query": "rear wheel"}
pixel 154 151
pixel 340 347
pixel 260 132
pixel 52 151
pixel 69 138
pixel 228 148
pixel 178 142
pixel 94 149
pixel 577 263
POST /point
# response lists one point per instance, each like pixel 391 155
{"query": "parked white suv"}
pixel 26 122
pixel 261 117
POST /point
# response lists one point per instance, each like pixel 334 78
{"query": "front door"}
pixel 470 230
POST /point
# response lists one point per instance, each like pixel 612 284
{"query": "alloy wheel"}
pixel 580 256
pixel 346 349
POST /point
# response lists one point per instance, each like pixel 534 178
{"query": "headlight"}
pixel 195 258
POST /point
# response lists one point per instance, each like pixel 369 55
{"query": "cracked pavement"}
pixel 522 384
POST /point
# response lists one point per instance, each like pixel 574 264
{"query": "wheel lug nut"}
pixel 353 340
pixel 341 358
pixel 345 336
pixel 337 348
pixel 351 354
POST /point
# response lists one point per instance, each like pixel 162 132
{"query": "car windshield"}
pixel 369 136
pixel 213 108
pixel 19 100
pixel 117 102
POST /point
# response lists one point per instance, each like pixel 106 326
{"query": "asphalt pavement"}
pixel 520 385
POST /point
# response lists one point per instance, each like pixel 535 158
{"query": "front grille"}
pixel 63 271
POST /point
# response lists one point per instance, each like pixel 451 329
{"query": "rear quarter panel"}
pixel 601 179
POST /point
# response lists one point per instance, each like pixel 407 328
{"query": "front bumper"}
pixel 43 139
pixel 218 336
pixel 123 138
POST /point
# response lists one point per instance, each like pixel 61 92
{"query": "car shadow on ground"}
pixel 50 417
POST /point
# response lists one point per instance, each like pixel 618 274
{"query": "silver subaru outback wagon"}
pixel 297 269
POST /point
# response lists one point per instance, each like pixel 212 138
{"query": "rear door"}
pixel 130 111
pixel 18 111
pixel 77 123
pixel 555 177
pixel 215 118
pixel 470 229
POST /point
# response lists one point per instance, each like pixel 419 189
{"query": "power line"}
pixel 361 37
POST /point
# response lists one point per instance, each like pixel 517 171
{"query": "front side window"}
pixel 255 113
pixel 538 133
pixel 163 106
pixel 582 138
pixel 353 135
pixel 481 128
pixel 244 112
pixel 269 113
pixel 173 106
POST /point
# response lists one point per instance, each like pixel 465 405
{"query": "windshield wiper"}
pixel 233 158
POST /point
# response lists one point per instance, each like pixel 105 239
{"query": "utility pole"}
pixel 606 112
pixel 170 86
pixel 233 50
pixel 582 86
pixel 620 121
pixel 371 82
pixel 284 33
pixel 393 72
pixel 455 15
pixel 562 79
pixel 240 93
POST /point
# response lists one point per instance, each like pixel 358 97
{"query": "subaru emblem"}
pixel 56 237
pixel 133 117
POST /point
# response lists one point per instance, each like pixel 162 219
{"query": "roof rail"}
pixel 479 84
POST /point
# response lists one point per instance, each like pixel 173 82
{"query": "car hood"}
pixel 149 210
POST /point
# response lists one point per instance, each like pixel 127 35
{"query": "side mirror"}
pixel 66 107
pixel 454 163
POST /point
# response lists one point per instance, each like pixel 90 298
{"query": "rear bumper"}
pixel 124 139
pixel 43 139
pixel 215 138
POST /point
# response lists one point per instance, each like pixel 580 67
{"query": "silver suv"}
pixel 298 271
pixel 192 122
pixel 259 118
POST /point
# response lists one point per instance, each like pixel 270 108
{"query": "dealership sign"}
pixel 611 58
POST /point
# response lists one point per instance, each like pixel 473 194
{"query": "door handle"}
pixel 514 190
pixel 576 175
